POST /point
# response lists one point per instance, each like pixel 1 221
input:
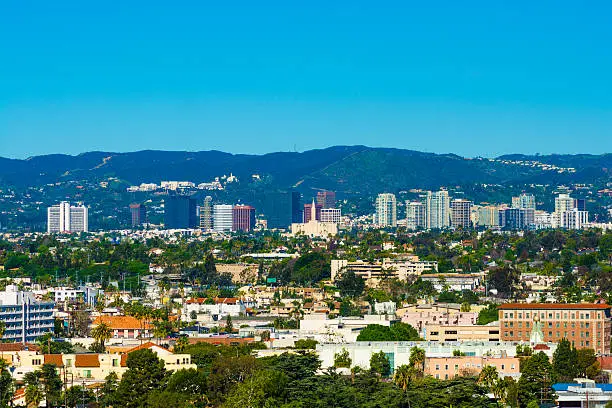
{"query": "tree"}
pixel 76 395
pixel 397 332
pixel 350 284
pixel 342 359
pixel 488 377
pixel 488 314
pixel 404 332
pixel 33 395
pixel 379 364
pixel 565 361
pixel 102 333
pixel 145 372
pixel 180 344
pixel 586 361
pixel 533 404
pixel 51 384
pixel 536 378
pixel 6 384
pixel 306 344
pixel 264 389
pixel 417 358
pixel 465 307
pixel 107 392
pixel 404 374
pixel 503 279
pixel 229 326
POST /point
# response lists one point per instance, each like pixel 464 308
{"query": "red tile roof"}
pixel 121 322
pixel 55 359
pixel 87 360
pixel 545 306
pixel 8 347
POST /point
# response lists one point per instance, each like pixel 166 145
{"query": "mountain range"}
pixel 349 169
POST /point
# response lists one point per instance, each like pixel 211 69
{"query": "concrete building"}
pixel 461 211
pixel 24 317
pixel 206 214
pixel 64 217
pixel 583 393
pixel 456 332
pixel 514 219
pixel 386 210
pixel 488 216
pixel 574 219
pixel 332 215
pixel 125 327
pixel 386 268
pixel 453 281
pixel 437 210
pixel 584 325
pixel 314 228
pixel 446 368
pixel 223 215
pixel 180 212
pixel 563 202
pixel 216 310
pixel 415 215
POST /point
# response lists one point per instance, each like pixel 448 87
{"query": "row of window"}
pixel 550 315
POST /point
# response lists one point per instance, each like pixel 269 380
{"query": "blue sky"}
pixel 473 78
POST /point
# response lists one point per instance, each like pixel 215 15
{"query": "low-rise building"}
pixel 472 332
pixel 125 327
pixel 446 368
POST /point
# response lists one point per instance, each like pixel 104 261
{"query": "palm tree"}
pixel 33 396
pixel 180 344
pixel 403 376
pixel 101 333
pixel 488 377
pixel 417 358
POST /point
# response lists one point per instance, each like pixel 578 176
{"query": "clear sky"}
pixel 469 77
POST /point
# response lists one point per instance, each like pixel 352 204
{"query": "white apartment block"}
pixel 574 219
pixel 64 217
pixel 393 268
pixel 437 209
pixel 386 210
pixel 24 317
pixel 415 215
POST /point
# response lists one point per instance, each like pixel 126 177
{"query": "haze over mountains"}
pixel 351 169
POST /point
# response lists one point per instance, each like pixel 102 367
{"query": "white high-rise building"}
pixel 437 209
pixel 574 219
pixel 563 202
pixel 415 215
pixel 64 217
pixel 386 210
pixel 222 217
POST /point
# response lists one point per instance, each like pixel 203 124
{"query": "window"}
pixel 115 362
pixel 503 366
pixel 437 366
pixel 87 373
pixel 36 361
pixel 520 315
pixel 68 362
pixel 446 366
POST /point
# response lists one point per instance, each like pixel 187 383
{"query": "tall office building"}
pixel 326 199
pixel 180 212
pixel 24 317
pixel 516 218
pixel 64 217
pixel 206 214
pixel 437 209
pixel 563 202
pixel 386 210
pixel 243 218
pixel 524 200
pixel 139 214
pixel 580 204
pixel 461 211
pixel 282 208
pixel 415 215
pixel 488 216
pixel 331 215
pixel 308 211
pixel 223 217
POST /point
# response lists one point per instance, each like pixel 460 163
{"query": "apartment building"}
pixel 586 325
pixel 455 332
pixel 394 268
pixel 446 368
pixel 24 317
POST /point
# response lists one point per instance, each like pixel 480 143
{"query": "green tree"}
pixel 488 314
pixel 229 326
pixel 417 358
pixel 342 359
pixel 565 361
pixel 379 364
pixel 76 395
pixel 306 344
pixel 537 376
pixel 52 384
pixel 350 285
pixel 145 372
pixel 585 362
pixel 488 377
pixel 102 333
pixel 6 384
pixel 264 389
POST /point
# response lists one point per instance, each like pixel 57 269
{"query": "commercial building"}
pixel 206 214
pixel 180 212
pixel 314 228
pixel 453 281
pixel 446 368
pixel 437 209
pixel 243 218
pixel 563 202
pixel 516 218
pixel 282 208
pixel 488 216
pixel 386 210
pixel 64 217
pixel 24 317
pixel 585 325
pixel 373 272
pixel 456 332
pixel 138 213
pixel 461 211
pixel 574 219
pixel 415 215
pixel 326 199
pixel 308 211
pixel 223 215
pixel 332 215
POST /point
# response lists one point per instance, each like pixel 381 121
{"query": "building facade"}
pixel 223 215
pixel 64 217
pixel 24 317
pixel 386 210
pixel 180 212
pixel 415 215
pixel 437 209
pixel 308 211
pixel 243 218
pixel 138 213
pixel 461 211
pixel 524 200
pixel 326 199
pixel 333 215
pixel 584 325
pixel 206 214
